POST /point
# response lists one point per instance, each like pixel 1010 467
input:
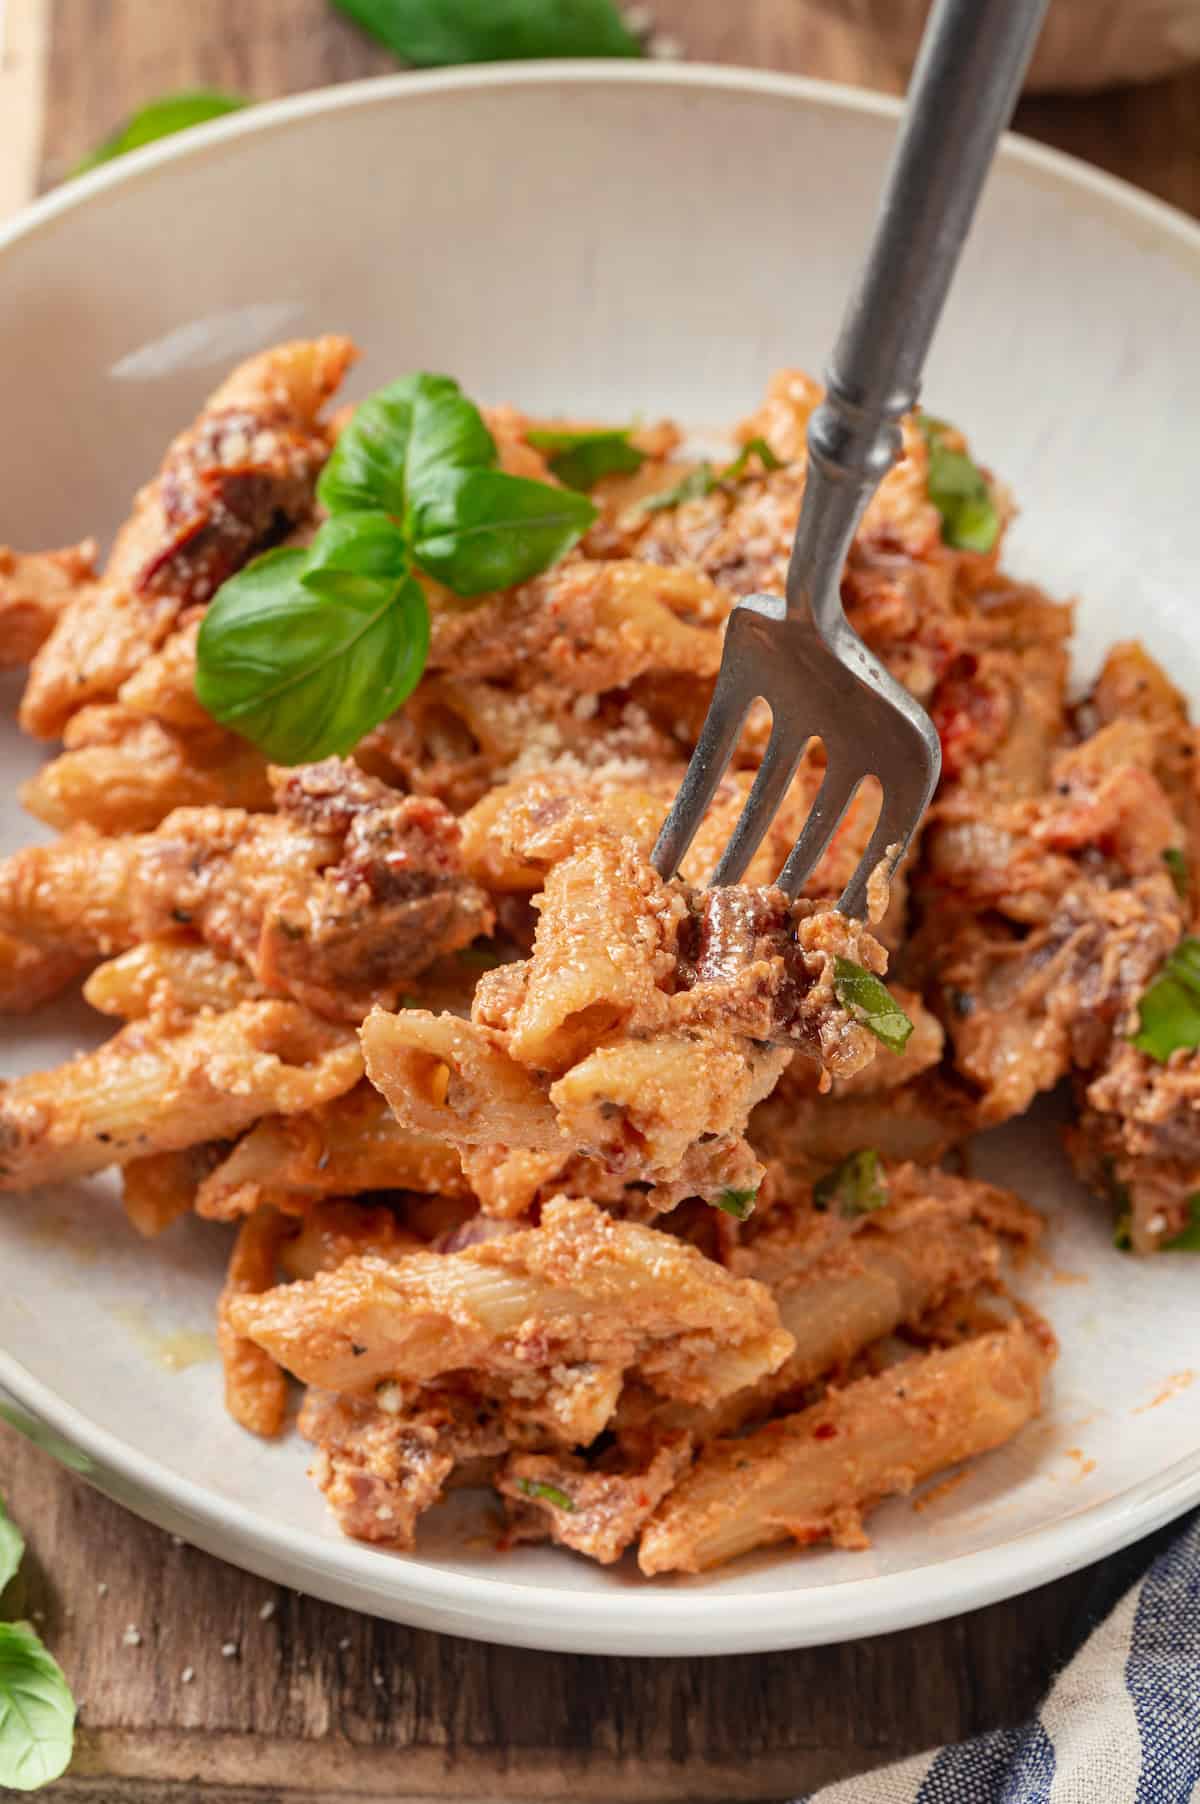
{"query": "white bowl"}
pixel 606 239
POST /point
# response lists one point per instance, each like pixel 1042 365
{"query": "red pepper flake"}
pixel 824 1431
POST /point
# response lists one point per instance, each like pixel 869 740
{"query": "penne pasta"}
pixel 255 1387
pixel 157 1190
pixel 35 590
pixel 812 1476
pixel 156 1088
pixel 158 976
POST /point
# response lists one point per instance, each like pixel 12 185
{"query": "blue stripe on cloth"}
pixel 1010 1766
pixel 1163 1674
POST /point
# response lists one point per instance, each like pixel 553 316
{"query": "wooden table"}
pixel 319 1704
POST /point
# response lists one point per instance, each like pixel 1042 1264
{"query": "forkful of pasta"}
pixel 798 652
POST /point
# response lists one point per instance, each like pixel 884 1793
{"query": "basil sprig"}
pixel 854 1187
pixel 537 1487
pixel 304 651
pixel 1169 1011
pixel 871 1003
pixel 435 33
pixel 581 458
pixel 959 491
pixel 37 1711
pixel 705 477
pixel 161 119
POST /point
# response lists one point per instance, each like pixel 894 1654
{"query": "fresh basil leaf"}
pixel 693 487
pixel 434 33
pixel 581 458
pixel 397 440
pixel 1169 1011
pixel 871 1003
pixel 478 530
pixel 305 651
pixel 854 1187
pixel 37 1711
pixel 12 1546
pixel 161 119
pixel 1188 1239
pixel 959 491
pixel 738 1203
pixel 1181 875
pixel 754 447
pixel 537 1487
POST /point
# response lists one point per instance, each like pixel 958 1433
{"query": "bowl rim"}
pixel 653 1618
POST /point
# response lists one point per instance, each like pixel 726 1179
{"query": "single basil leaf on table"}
pixel 161 119
pixel 1169 1011
pixel 738 1203
pixel 854 1187
pixel 1188 1238
pixel 397 439
pixel 871 1003
pixel 959 491
pixel 581 458
pixel 305 651
pixel 478 530
pixel 37 1711
pixel 436 33
pixel 12 1546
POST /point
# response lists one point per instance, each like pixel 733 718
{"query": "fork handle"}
pixel 963 90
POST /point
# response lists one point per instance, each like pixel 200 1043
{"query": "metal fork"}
pixel 800 654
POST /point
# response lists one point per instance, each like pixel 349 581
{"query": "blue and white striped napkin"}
pixel 1120 1724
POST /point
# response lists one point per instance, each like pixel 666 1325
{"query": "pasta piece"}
pixel 255 1387
pixel 168 975
pixel 812 1476
pixel 446 1078
pixel 156 1191
pixel 598 1510
pixel 164 684
pixel 32 974
pixel 340 1228
pixel 336 899
pixel 353 1143
pixel 579 1288
pixel 123 773
pixel 34 590
pixel 154 1088
pixel 229 486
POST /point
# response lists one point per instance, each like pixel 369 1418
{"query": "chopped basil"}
pixel 754 447
pixel 871 1003
pixel 1181 876
pixel 537 1487
pixel 1169 1011
pixel 738 1203
pixel 1188 1238
pixel 305 651
pixel 693 487
pixel 704 478
pixel 436 33
pixel 580 459
pixel 854 1187
pixel 161 119
pixel 959 491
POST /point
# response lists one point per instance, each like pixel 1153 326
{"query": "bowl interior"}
pixel 612 244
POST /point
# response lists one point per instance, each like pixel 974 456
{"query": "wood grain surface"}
pixel 314 1703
